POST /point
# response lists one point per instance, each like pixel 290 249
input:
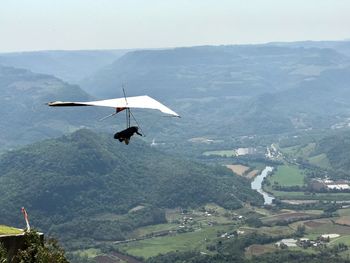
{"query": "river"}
pixel 257 185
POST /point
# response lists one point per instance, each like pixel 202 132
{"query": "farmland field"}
pixel 287 175
pixel 227 153
pixel 288 216
pixel 197 240
pixel 344 212
pixel 256 250
pixel 148 230
pixel 304 196
pixel 343 220
pixel 270 231
pixel 90 253
pixel 238 169
pixel 319 227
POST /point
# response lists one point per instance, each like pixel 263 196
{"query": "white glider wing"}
pixel 141 102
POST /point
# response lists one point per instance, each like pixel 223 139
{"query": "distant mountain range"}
pixel 70 66
pixel 220 91
pixel 214 71
pixel 342 47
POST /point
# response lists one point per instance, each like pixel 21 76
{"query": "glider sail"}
pixel 142 102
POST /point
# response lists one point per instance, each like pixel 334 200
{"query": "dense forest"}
pixel 68 185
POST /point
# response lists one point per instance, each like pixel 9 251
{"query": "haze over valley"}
pixel 239 152
pixel 185 191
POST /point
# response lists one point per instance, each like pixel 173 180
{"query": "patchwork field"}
pixel 197 240
pixel 289 216
pixel 186 230
pixel 153 230
pixel 344 220
pixel 238 168
pixel 344 212
pixel 256 250
pixel 270 231
pixel 252 174
pixel 227 153
pixel 317 227
pixel 307 196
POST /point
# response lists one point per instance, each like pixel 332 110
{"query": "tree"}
pixel 37 251
pixel 300 231
pixel 3 254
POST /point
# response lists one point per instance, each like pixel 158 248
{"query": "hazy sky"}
pixel 115 24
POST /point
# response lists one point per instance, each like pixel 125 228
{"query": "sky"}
pixel 27 25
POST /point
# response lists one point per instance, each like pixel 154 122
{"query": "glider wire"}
pixel 128 113
pixel 110 115
pixel 138 125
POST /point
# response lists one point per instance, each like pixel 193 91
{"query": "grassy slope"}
pixel 320 160
pixel 306 152
pixel 6 230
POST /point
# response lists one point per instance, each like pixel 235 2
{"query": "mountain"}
pixel 213 71
pixel 261 89
pixel 318 102
pixel 85 185
pixel 340 46
pixel 25 117
pixel 71 66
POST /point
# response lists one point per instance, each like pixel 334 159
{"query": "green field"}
pixel 330 229
pixel 302 196
pixel 227 153
pixel 344 212
pixel 320 160
pixel 302 151
pixel 341 239
pixel 148 230
pixel 287 175
pixel 6 230
pixel 197 240
pixel 90 253
pixel 270 231
pixel 203 225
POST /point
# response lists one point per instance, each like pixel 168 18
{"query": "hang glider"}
pixel 141 102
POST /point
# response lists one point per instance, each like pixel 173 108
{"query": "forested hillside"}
pixel 90 181
pixel 336 148
pixel 25 117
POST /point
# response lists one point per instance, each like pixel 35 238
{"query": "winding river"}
pixel 257 185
